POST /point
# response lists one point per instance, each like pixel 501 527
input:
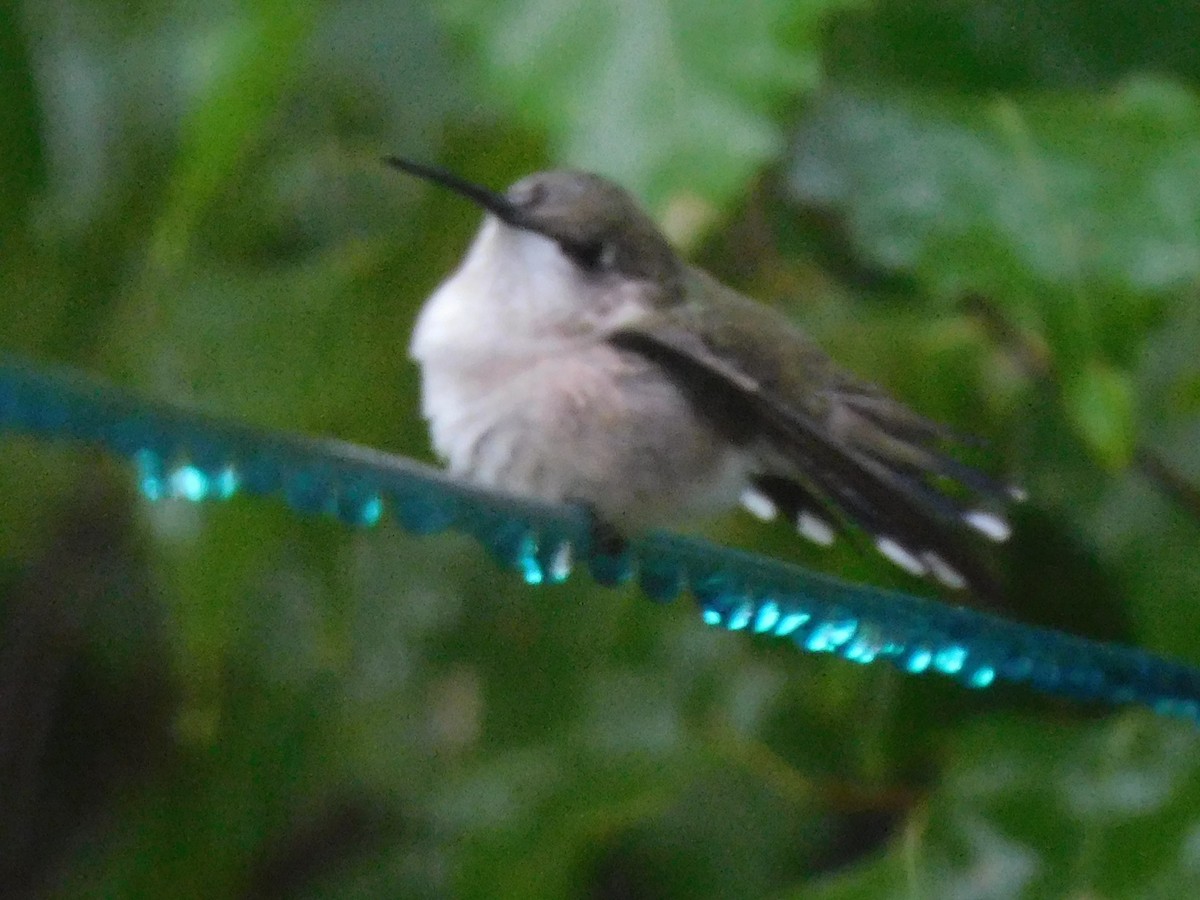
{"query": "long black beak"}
pixel 497 204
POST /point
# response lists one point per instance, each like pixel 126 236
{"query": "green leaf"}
pixel 1001 45
pixel 1099 400
pixel 656 95
pixel 1049 812
pixel 249 65
pixel 22 167
pixel 1072 212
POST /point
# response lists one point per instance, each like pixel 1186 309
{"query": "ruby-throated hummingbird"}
pixel 574 356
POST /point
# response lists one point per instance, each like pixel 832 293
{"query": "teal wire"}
pixel 189 455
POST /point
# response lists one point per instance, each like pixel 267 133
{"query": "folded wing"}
pixel 833 452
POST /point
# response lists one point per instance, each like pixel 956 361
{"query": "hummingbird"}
pixel 575 356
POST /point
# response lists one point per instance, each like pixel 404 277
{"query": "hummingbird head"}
pixel 568 239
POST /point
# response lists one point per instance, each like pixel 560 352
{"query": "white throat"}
pixel 514 293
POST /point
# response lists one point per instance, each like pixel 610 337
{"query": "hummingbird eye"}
pixel 527 194
pixel 591 256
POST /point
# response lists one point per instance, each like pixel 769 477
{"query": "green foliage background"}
pixel 990 206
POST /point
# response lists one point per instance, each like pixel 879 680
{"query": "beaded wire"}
pixel 184 454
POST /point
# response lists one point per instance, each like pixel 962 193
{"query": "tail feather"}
pixel 891 488
pixel 806 511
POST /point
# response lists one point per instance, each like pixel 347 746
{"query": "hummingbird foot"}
pixel 609 552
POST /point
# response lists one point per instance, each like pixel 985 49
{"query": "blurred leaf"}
pixel 22 166
pixel 1004 45
pixel 1073 212
pixel 1106 811
pixel 249 67
pixel 1100 402
pixel 684 94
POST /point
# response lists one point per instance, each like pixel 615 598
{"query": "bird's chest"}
pixel 484 411
pixel 596 424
